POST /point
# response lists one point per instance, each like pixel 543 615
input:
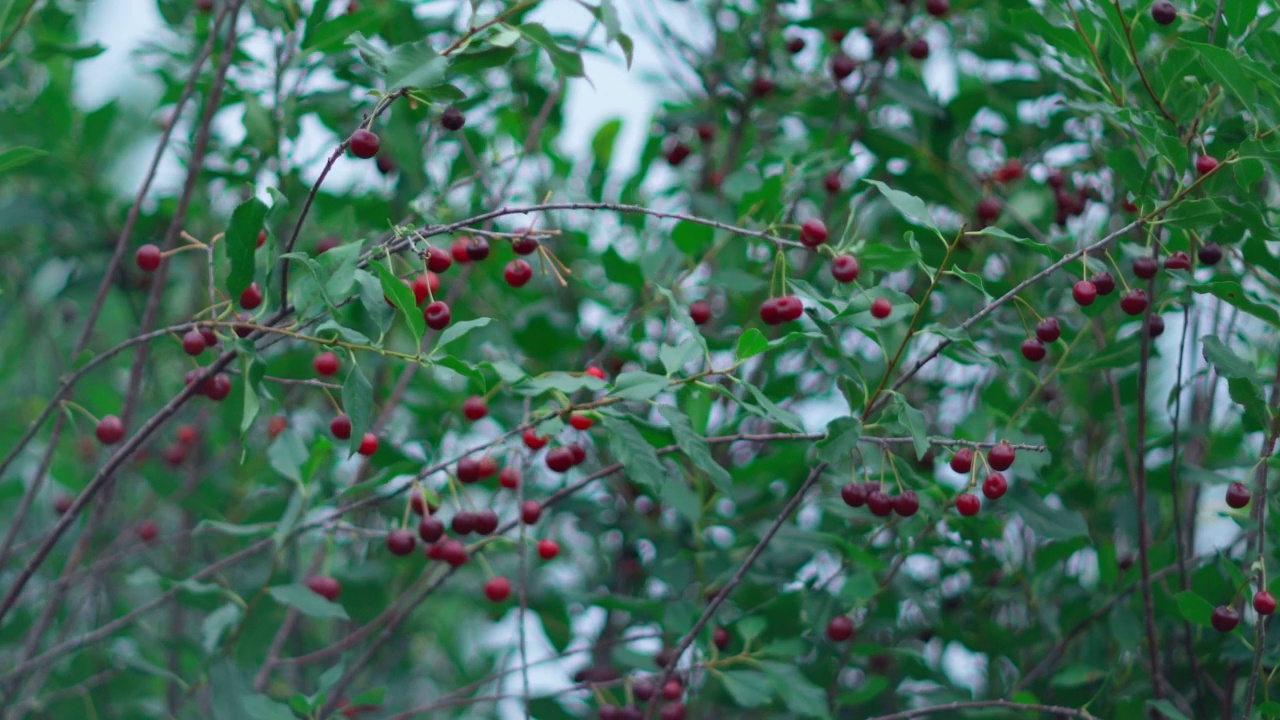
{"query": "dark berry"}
pixel 110 430
pixel 400 542
pixel 364 144
pixel 995 486
pixel 854 494
pixel 962 461
pixel 341 427
pixel 1134 303
pixel 437 315
pixel 497 589
pixel 430 529
pixel 1048 329
pixel 881 308
pixel 148 258
pixel 967 504
pixel 700 311
pixel 907 503
pixel 1001 456
pixel 880 504
pixel 840 628
pixel 845 268
pixel 1224 619
pixel 1238 495
pixel 453 119
pixel 1210 254
pixel 1084 293
pixel 1103 283
pixel 1163 12
pixel 251 297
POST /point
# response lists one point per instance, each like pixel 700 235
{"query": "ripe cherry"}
pixel 560 459
pixel 831 182
pixel 918 49
pixel 840 628
pixel 530 512
pixel 644 688
pixel 437 315
pixel 762 87
pixel 497 589
pixel 1145 267
pixel 420 505
pixel 1001 456
pixel 218 387
pixel 988 210
pixel 475 407
pixel 790 308
pixel 210 337
pixel 1048 329
pixel 478 249
pixel 845 268
pixel 962 461
pixel 193 343
pixel 533 440
pixel 1084 293
pixel 148 530
pixel 1033 349
pixel 1135 302
pixel 700 311
pixel 706 132
pixel 967 504
pixel 325 586
pixel 937 8
pixel 881 308
pixel 486 522
pixel 174 455
pixel 458 251
pixel 1238 495
pixel 671 711
pixel 995 486
pixel 581 422
pixel 148 258
pixel 340 426
pixel 509 478
pixel 1206 164
pixel 596 372
pixel 1264 603
pixel 677 154
pixel 1155 326
pixel 720 638
pixel 363 143
pixel 468 470
pixel 438 260
pixel 673 690
pixel 842 66
pixel 400 542
pixel 424 286
pixel 464 522
pixel 1103 283
pixel 1163 12
pixel 518 273
pixel 326 364
pixel 1210 253
pixel 525 244
pixel 769 312
pixel 430 528
pixel 368 444
pixel 251 297
pixel 62 503
pixel 1224 619
pixel 879 503
pixel 454 553
pixel 1178 261
pixel 110 430
pixel 578 453
pixel 548 549
pixel 187 434
pixel 907 503
pixel 452 119
pixel 795 45
pixel 854 494
pixel 386 164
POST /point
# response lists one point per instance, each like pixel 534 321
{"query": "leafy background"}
pixel 1054 594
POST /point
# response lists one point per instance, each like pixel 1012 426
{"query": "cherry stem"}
pixel 71 405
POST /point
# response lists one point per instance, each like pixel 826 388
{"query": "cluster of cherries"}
pixel 1000 457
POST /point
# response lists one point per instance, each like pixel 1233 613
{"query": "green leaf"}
pixel 371 299
pixel 620 270
pixel 1166 707
pixel 913 420
pixel 357 403
pixel 569 63
pixel 457 330
pixel 471 63
pixel 216 623
pixel 402 297
pixel 561 382
pixel 1225 361
pixel 750 628
pixel 801 696
pixel 695 446
pixel 771 411
pixel 841 440
pixel 692 238
pixel 261 707
pixel 331 35
pixel 676 493
pixel 1234 294
pixel 415 65
pixel 233 530
pixel 508 371
pixel 16 157
pixel 637 456
pixel 1194 608
pixel 603 141
pixel 252 373
pixel 748 688
pixel 675 357
pixel 370 54
pixel 639 385
pixel 911 207
pixel 286 454
pixel 242 241
pixel 1047 522
pixel 306 602
pixel 751 343
pixel 681 315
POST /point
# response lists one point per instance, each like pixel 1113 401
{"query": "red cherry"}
pixel 525 244
pixel 148 258
pixel 879 503
pixel 1238 495
pixel 1224 619
pixel 700 311
pixel 475 408
pixel 842 66
pixel 1163 12
pixel 1145 267
pixel 967 504
pixel 706 132
pixel 790 307
pixel 581 422
pixel 193 342
pixel 761 87
pixel 420 505
pixel 368 444
pixel 1210 253
pixel 458 250
pixel 988 210
pixel 218 387
pixel 478 249
pixel 795 45
pixel 1084 293
pixel 468 470
pixel 530 512
pixel 1135 303
pixel 1103 283
pixel 1033 349
pixel 1048 329
pixel 464 522
pixel 110 430
pixel 486 522
pixel 854 494
pixel 840 628
pixel 251 297
pixel 401 542
pixel 454 553
pixel 324 586
pixel 677 153
pixel 437 315
pixel 148 530
pixel 326 364
pixel 995 486
pixel 1178 261
pixel 907 503
pixel 509 477
pixel 1001 456
pixel 363 143
pixel 430 529
pixel 497 589
pixel 210 337
pixel 1155 326
pixel 595 372
pixel 340 426
pixel 488 467
pixel 962 461
pixel 769 312
pixel 560 459
pixel 438 260
pixel 187 434
pixel 1264 603
pixel 424 286
pixel 262 238
pixel 881 308
pixel 673 690
pixel 62 503
pixel 813 232
pixel 1010 171
pixel 533 441
pixel 174 455
pixel 918 49
pixel 548 549
pixel 578 453
pixel 845 269
pixel 518 273
pixel 831 182
pixel 1206 164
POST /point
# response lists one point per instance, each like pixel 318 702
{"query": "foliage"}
pixel 173 572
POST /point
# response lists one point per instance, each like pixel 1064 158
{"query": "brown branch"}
pixel 1258 535
pixel 1140 497
pixel 977 704
pixel 1128 32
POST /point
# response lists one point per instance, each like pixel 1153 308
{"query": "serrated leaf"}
pixel 457 330
pixel 508 371
pixel 695 446
pixel 771 411
pixel 639 385
pixel 682 317
pixel 15 157
pixel 216 623
pixel 841 440
pixel 415 65
pixel 748 688
pixel 911 207
pixel 242 241
pixel 1047 522
pixel 1194 608
pixel 638 458
pixel 286 454
pixel 402 297
pixel 561 382
pixel 801 696
pixel 1225 361
pixel 913 420
pixel 331 35
pixel 751 343
pixel 675 357
pixel 567 62
pixel 357 403
pixel 306 602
